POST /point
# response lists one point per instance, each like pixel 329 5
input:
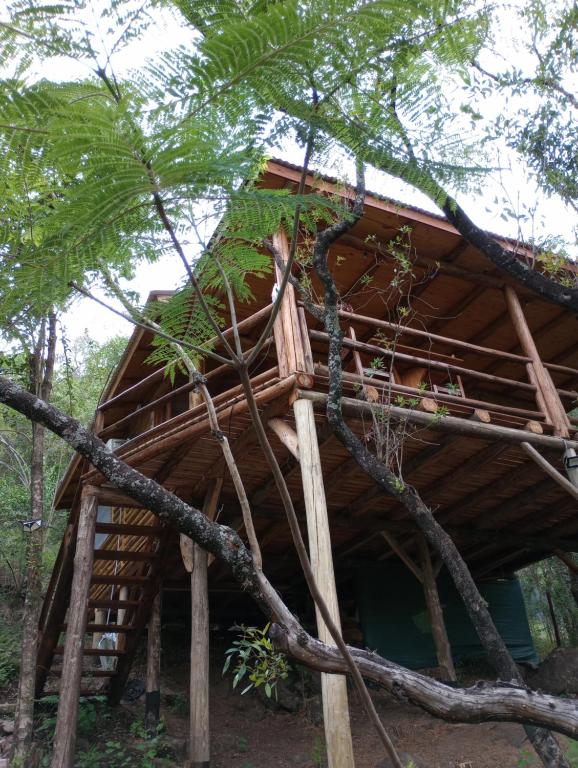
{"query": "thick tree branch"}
pixel 492 702
pixel 478 704
pixel 477 609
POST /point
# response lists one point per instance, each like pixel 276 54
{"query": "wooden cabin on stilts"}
pixel 461 378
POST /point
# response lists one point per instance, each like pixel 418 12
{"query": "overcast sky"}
pixel 168 32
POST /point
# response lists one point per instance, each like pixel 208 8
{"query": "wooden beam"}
pixel 66 719
pixel 551 471
pixel 550 396
pixel 357 408
pixel 123 555
pixel 333 687
pixel 427 362
pixel 199 733
pixel 150 586
pixel 436 614
pixel 287 327
pixel 123 529
pixel 59 651
pixel 286 435
pixel 119 579
pixel 153 679
pixel 403 556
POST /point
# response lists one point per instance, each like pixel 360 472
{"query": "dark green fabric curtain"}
pixel 395 621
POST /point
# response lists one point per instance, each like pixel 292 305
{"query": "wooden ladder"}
pixel 125 579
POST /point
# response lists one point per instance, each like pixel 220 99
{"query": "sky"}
pixel 168 32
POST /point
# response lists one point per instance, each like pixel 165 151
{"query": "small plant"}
pixel 256 659
pixel 242 744
pixel 453 389
pixel 318 753
pixel 525 760
pixel 180 704
pixel 116 755
pixel 90 758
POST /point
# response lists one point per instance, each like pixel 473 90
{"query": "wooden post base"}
pixel 333 687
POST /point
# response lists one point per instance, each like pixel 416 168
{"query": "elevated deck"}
pixel 447 375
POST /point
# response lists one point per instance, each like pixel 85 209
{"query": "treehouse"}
pixel 461 380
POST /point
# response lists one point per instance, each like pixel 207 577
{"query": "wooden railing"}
pixel 387 367
pixel 163 408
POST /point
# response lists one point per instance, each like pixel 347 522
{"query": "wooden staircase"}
pixel 128 551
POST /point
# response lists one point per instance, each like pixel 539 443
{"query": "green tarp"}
pixel 395 621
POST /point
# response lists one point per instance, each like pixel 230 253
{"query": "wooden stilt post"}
pixel 333 687
pixel 546 396
pixel 199 734
pixel 120 617
pixel 426 575
pixel 99 618
pixel 153 682
pixel 65 732
pixel 438 626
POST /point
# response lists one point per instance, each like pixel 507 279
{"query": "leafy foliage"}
pixel 254 658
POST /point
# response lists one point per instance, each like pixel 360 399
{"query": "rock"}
pixel 285 698
pixel 406 759
pixel 7 727
pixel 557 674
pixel 134 690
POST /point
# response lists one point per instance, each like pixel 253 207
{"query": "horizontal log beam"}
pixel 103 628
pixel 402 330
pixel 374 349
pixel 244 325
pixel 357 408
pixel 124 555
pixel 59 651
pixel 119 580
pixel 115 604
pixel 126 529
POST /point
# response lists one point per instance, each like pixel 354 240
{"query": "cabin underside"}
pixel 457 381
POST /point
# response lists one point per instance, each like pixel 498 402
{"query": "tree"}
pixel 41 369
pixel 126 181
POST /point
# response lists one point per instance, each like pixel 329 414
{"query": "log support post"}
pixel 434 607
pixel 65 732
pixel 99 618
pixel 195 559
pixel 426 574
pixel 293 352
pixel 120 617
pixel 333 687
pixel 547 396
pixel 153 681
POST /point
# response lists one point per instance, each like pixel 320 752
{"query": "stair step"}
pixel 123 529
pixel 59 651
pixel 126 555
pixel 120 580
pixel 88 672
pixel 113 603
pixel 104 628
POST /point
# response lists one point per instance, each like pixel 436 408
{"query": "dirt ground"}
pixel 245 733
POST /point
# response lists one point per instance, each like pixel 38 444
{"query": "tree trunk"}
pixel 544 742
pixel 41 366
